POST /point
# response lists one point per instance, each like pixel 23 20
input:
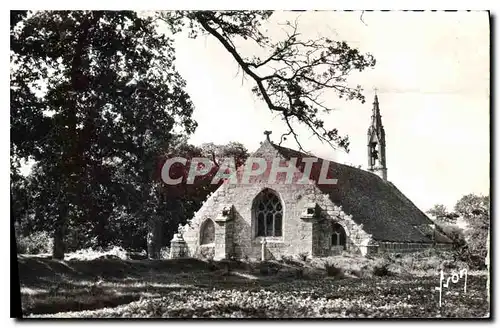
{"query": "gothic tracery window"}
pixel 268 212
pixel 338 235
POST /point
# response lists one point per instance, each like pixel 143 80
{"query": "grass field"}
pixel 191 288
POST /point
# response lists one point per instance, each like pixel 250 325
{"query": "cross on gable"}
pixel 267 133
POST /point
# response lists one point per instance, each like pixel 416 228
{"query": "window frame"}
pixel 338 233
pixel 256 212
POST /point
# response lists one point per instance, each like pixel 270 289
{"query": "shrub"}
pixel 212 266
pixel 299 273
pixel 333 271
pixel 473 260
pixel 431 263
pixel 287 259
pixel 304 256
pixel 81 237
pixel 468 245
pixel 137 255
pixel 90 254
pixel 164 252
pixel 36 243
pixel 263 270
pixel 448 264
pixel 268 268
pixel 356 273
pixel 391 257
pixel 408 262
pixel 290 261
pixel 381 269
pixel 207 253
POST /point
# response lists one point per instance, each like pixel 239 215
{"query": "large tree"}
pixel 473 210
pixel 94 98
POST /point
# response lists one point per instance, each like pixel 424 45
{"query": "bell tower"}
pixel 376 143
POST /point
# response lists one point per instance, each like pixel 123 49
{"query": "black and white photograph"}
pixel 250 164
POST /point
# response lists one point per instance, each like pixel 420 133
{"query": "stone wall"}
pixel 330 212
pixel 302 233
pixel 236 237
pixel 396 247
pixel 296 235
pixel 211 209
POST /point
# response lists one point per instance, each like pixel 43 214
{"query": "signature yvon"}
pixel 455 278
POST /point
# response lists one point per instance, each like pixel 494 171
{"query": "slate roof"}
pixel 378 205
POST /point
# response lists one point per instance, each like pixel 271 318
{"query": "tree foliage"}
pixel 474 210
pixel 441 214
pixel 471 242
pixel 94 98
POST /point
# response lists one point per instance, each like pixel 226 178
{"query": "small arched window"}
pixel 207 232
pixel 268 214
pixel 338 235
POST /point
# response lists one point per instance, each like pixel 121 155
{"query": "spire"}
pixel 376 142
pixel 376 117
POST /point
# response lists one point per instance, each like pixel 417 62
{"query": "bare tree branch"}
pixel 296 72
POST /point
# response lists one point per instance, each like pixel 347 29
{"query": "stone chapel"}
pixel 362 213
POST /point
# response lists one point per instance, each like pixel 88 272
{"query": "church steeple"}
pixel 376 143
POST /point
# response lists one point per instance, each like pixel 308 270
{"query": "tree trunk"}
pixel 150 243
pixel 59 247
pixel 154 238
pixel 72 157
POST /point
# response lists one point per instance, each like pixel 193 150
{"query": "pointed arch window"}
pixel 338 235
pixel 268 214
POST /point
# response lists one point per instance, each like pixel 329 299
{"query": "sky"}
pixel 432 77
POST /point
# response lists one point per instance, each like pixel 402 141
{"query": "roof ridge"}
pixel 278 148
